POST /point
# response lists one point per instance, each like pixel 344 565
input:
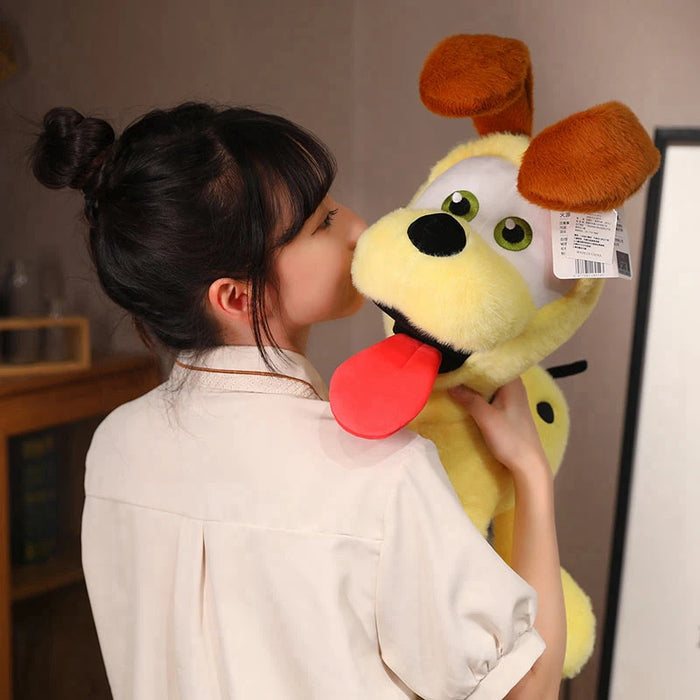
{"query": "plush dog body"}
pixel 466 267
pixel 505 309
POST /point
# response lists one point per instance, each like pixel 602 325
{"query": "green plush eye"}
pixel 461 203
pixel 513 233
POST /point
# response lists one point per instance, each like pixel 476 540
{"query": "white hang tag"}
pixel 595 240
pixel 623 258
pixel 592 237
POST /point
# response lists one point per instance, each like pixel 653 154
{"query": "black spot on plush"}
pixel 545 411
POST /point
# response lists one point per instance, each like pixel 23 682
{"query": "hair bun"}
pixel 66 153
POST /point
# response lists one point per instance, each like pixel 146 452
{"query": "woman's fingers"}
pixel 506 423
pixel 475 404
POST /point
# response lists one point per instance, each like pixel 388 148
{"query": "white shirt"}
pixel 238 544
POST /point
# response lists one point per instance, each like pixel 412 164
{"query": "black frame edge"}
pixel 663 137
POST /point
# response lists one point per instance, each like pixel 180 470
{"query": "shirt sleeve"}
pixel 454 620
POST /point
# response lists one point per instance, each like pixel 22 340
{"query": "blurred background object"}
pixel 8 63
pixel 21 292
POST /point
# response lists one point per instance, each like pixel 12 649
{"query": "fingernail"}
pixel 460 391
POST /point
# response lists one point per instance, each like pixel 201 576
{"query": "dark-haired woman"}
pixel 236 542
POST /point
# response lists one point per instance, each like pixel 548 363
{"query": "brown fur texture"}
pixel 592 161
pixel 488 78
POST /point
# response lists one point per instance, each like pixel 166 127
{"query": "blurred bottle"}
pixel 56 339
pixel 22 297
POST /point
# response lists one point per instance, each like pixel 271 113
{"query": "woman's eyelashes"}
pixel 327 221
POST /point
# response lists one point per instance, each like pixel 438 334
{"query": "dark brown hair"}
pixel 184 197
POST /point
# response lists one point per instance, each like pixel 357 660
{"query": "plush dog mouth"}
pixel 385 386
pixel 451 359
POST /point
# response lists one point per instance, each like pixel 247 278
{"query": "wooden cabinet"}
pixel 32 403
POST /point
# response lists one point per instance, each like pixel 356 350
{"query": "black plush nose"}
pixel 439 235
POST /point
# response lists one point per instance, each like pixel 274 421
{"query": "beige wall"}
pixel 348 71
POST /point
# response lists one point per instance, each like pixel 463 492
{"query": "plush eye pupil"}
pixel 459 206
pixel 512 232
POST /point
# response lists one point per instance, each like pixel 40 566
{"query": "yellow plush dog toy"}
pixel 464 275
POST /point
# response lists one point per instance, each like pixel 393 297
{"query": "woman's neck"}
pixel 295 339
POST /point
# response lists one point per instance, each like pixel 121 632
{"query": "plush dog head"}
pixel 466 267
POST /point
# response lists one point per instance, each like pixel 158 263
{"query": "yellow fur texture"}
pixel 478 301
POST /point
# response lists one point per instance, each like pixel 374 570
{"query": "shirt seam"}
pixel 252 526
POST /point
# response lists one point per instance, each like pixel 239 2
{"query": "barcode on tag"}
pixel 588 267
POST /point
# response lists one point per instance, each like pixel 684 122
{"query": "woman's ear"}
pixel 229 300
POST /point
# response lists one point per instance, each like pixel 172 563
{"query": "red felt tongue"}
pixel 381 389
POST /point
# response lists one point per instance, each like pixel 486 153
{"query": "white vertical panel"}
pixel 657 648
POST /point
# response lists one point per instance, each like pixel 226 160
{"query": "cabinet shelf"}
pixel 37 402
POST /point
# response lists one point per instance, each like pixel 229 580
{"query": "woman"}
pixel 236 542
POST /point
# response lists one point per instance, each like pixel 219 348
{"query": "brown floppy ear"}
pixel 592 161
pixel 485 77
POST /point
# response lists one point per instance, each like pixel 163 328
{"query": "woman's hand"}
pixel 509 432
pixel 506 425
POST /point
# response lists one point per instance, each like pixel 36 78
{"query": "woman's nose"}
pixel 356 228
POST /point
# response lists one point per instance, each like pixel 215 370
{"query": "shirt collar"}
pixel 241 368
